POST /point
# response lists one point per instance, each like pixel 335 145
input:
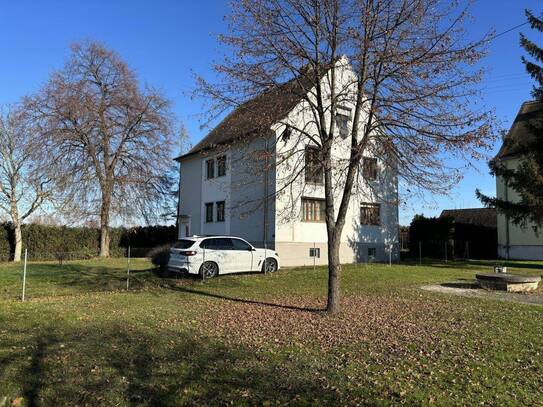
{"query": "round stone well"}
pixel 507 282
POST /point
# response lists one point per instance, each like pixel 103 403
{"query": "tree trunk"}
pixel 18 235
pixel 334 269
pixel 18 242
pixel 104 226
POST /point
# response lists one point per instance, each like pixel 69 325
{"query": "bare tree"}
pixel 113 137
pixel 25 184
pixel 412 95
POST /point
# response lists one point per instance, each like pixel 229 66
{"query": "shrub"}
pixel 160 256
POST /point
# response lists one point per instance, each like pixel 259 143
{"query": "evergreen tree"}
pixel 527 178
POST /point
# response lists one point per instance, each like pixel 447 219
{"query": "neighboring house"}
pixel 474 232
pixel 224 189
pixel 516 242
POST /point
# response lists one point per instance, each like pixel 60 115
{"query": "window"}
pixel 313 168
pixel 220 211
pixel 370 214
pixel 315 252
pixel 210 169
pixel 285 136
pixel 219 243
pixel 313 210
pixel 369 168
pixel 343 117
pixel 241 245
pixel 372 253
pixel 183 244
pixel 221 166
pixel 209 212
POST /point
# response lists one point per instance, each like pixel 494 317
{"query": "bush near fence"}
pixel 45 242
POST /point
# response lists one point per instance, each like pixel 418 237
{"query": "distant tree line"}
pixel 45 242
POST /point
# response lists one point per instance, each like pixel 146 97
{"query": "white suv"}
pixel 214 255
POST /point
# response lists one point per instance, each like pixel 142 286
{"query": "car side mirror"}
pixel 252 249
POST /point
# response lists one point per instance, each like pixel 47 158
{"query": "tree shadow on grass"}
pixel 53 279
pixel 190 290
pixel 117 364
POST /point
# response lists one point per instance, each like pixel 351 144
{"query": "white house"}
pixel 257 179
pixel 516 242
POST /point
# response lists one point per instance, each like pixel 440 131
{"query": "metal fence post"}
pixel 24 275
pixel 128 270
pixel 390 255
pixel 203 261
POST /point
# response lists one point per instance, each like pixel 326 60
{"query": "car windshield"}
pixel 183 244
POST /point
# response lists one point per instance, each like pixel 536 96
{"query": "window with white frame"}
pixel 220 211
pixel 369 168
pixel 370 214
pixel 314 173
pixel 210 168
pixel 343 119
pixel 221 166
pixel 209 212
pixel 313 210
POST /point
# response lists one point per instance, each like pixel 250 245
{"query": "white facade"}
pixel 276 221
pixel 516 242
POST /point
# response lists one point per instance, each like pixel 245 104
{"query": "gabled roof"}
pixel 256 115
pixel 472 216
pixel 520 132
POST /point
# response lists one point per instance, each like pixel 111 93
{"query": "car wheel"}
pixel 209 270
pixel 269 266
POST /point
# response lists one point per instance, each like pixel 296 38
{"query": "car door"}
pixel 242 255
pixel 219 251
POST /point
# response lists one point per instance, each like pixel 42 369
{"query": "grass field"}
pixel 82 339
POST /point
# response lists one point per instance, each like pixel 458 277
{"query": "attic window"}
pixel 285 136
pixel 343 118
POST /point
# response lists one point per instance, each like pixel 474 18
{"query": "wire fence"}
pixel 69 273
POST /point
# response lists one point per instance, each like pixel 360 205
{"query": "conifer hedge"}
pixel 45 242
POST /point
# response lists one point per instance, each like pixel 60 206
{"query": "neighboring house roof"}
pixel 256 115
pixel 473 216
pixel 520 133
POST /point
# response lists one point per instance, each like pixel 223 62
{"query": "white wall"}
pixel 524 243
pixel 190 193
pixel 289 226
pixel 248 189
pixel 215 190
pixel 196 190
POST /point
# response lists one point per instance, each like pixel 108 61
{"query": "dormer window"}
pixel 343 119
pixel 285 136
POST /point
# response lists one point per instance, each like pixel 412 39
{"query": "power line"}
pixel 507 31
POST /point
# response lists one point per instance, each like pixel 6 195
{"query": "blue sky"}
pixel 166 41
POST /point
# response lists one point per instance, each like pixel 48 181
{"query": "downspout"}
pixel 265 237
pixel 178 201
pixel 506 223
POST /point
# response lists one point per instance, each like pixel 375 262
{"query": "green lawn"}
pixel 82 339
